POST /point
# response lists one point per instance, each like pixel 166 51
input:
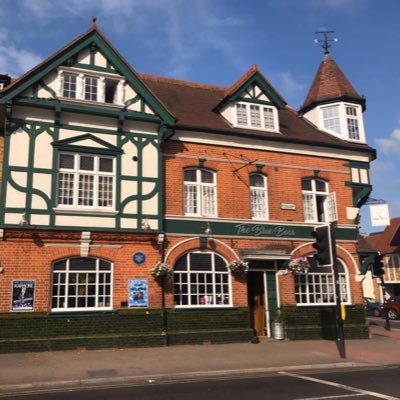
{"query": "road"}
pixel 360 384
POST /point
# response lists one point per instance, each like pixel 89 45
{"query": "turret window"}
pixel 352 123
pixel 331 118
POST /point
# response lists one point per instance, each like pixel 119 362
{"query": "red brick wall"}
pixel 284 181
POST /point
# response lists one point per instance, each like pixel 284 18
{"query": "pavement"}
pixel 25 372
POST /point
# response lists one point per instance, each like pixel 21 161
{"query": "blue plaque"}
pixel 139 258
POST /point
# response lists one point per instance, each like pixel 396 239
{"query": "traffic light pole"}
pixel 340 343
pixel 387 321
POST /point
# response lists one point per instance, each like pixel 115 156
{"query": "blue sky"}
pixel 217 41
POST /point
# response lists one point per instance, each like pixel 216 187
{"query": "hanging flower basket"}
pixel 238 267
pixel 298 265
pixel 162 272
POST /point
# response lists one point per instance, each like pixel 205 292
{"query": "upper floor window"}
pixel 199 192
pixel 331 118
pixel 256 116
pixel 80 86
pixel 343 120
pixel 202 279
pixel 258 196
pixel 82 284
pixel 86 181
pixel 91 88
pixel 315 194
pixel 69 86
pixel 352 123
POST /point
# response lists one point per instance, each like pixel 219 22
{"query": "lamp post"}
pixel 160 242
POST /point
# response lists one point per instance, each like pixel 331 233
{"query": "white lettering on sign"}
pixel 261 230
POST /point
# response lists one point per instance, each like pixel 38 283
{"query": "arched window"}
pixel 315 194
pixel 200 192
pixel 258 196
pixel 202 279
pixel 82 284
pixel 317 287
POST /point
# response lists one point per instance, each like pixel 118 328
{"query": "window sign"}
pixel 139 258
pixel 23 295
pixel 138 293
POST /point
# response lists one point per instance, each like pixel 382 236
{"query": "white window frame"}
pixel 259 199
pixel 256 116
pixel 66 91
pixel 62 285
pixel 190 279
pixel 332 121
pixel 318 288
pixel 310 198
pixel 195 193
pixel 91 88
pixel 343 118
pixel 103 80
pixel 69 179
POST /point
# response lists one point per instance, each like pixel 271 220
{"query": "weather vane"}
pixel 326 42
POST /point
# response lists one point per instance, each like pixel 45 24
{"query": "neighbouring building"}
pixel 106 173
pixel 386 243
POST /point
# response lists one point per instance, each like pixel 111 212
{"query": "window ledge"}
pixel 92 103
pixel 82 211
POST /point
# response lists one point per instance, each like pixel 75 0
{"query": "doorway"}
pixel 256 301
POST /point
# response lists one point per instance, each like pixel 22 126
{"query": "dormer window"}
pixel 96 87
pixel 256 116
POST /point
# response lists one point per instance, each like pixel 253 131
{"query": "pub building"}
pixel 141 211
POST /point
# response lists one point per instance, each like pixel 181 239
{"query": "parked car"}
pixel 391 306
pixel 372 307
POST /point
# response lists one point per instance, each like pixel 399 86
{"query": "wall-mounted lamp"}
pixel 1 270
pixel 23 221
pixel 208 230
pixel 160 238
pixel 145 225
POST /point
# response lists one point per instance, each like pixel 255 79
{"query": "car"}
pixel 372 307
pixel 391 307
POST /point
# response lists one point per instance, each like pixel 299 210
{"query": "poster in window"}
pixel 138 293
pixel 23 295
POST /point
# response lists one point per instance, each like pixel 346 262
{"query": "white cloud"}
pixel 13 61
pixel 391 145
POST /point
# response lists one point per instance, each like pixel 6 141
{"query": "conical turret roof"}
pixel 330 83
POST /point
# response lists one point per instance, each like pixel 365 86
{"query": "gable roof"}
pixel 330 84
pixel 384 241
pixel 251 77
pixel 93 35
pixel 194 105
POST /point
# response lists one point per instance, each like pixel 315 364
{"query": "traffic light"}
pixel 323 245
pixel 377 266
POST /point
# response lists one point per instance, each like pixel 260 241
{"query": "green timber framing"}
pixel 93 40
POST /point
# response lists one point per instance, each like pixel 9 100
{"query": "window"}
pixel 86 181
pixel 315 194
pixel 81 284
pixel 317 286
pixel 69 86
pixel 256 116
pixel 90 88
pixel 201 279
pixel 105 88
pixel 258 196
pixel 352 123
pixel 199 192
pixel 331 118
